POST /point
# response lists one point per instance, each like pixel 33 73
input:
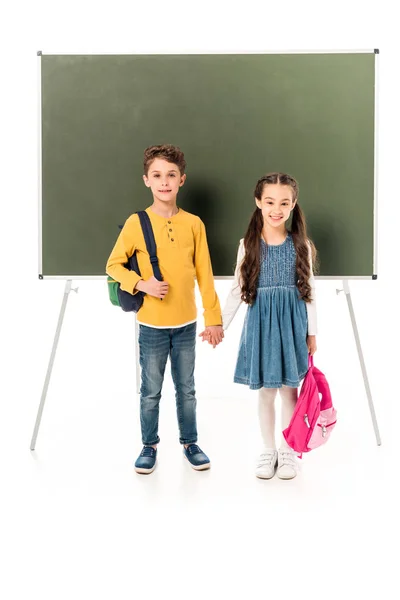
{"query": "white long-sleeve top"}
pixel 234 300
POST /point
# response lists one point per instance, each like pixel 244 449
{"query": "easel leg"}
pixel 346 289
pixel 51 361
pixel 137 357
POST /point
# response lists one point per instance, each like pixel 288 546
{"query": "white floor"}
pixel 79 523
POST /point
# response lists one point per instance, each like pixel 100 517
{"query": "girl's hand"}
pixel 213 335
pixel 311 344
pixel 204 335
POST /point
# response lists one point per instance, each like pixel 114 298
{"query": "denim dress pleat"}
pixel 273 346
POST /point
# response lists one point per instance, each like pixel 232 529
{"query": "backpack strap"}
pixel 150 242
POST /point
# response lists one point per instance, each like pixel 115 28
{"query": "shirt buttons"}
pixel 170 230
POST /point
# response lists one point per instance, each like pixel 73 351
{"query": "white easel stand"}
pixel 346 290
pixel 68 287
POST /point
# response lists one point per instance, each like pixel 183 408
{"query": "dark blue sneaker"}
pixel 196 457
pixel 146 461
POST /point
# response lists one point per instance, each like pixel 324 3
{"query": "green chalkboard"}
pixel 236 117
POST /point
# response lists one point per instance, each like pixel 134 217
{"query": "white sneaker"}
pixel 287 468
pixel 266 464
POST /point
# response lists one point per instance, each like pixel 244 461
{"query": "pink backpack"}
pixel 314 416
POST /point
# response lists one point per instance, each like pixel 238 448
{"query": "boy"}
pixel 167 318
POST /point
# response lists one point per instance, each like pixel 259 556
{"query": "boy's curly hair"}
pixel 170 153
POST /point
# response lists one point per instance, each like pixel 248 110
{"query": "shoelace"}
pixel 193 449
pixel 148 451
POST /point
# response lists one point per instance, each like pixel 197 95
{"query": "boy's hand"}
pixel 213 334
pixel 153 287
pixel 311 344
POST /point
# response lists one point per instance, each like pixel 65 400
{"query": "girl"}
pixel 274 276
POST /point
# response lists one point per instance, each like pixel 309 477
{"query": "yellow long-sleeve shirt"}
pixel 183 256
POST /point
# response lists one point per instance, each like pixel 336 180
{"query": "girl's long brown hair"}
pixel 250 268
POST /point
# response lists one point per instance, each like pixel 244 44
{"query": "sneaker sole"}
pixel 285 477
pixel 264 477
pixel 142 471
pixel 198 467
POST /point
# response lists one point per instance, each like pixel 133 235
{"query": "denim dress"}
pixel 273 346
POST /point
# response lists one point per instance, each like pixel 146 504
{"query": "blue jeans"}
pixel 155 347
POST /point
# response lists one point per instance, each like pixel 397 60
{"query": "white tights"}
pixel 266 412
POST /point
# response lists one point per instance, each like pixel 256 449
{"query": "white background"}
pixel 76 521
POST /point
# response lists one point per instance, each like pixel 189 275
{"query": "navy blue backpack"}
pixel 133 302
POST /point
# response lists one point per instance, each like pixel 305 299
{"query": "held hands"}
pixel 311 344
pixel 153 287
pixel 213 334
